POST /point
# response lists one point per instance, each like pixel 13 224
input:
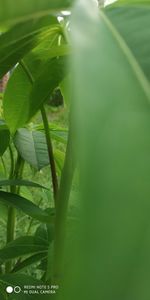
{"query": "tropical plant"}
pixel 98 58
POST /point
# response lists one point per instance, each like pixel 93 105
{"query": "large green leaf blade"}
pixel 113 113
pixel 137 18
pixel 52 74
pixel 20 39
pixel 21 100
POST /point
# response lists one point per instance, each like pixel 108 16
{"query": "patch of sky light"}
pixel 64 13
pixel 107 2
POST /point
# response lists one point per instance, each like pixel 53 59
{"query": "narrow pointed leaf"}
pixel 22 246
pixel 25 206
pixel 29 261
pixel 20 182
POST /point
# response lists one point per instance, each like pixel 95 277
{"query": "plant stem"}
pixel 12 163
pixel 4 166
pixel 50 153
pixel 11 222
pixel 62 195
pixel 48 137
pixel 61 211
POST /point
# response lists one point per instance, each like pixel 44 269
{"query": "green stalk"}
pixel 11 221
pixel 61 212
pixel 12 163
pixel 50 153
pixel 4 166
pixel 11 211
pixel 47 135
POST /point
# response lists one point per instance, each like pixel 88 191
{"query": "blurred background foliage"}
pixel 74 148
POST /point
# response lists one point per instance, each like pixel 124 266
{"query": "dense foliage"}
pixel 75 148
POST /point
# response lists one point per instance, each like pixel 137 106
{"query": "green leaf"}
pixel 32 147
pixel 66 89
pixel 59 158
pixel 4 137
pixel 22 246
pixel 19 107
pixel 20 182
pixel 20 39
pixel 53 73
pixel 13 11
pixel 59 134
pixel 25 192
pixel 29 261
pixel 25 206
pixel 3 213
pixel 16 111
pixel 137 39
pixel 49 48
pixel 112 105
pixel 27 245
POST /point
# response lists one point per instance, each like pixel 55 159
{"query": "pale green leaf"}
pixel 20 39
pixel 32 147
pixel 52 74
pixel 13 11
pixel 112 105
pixel 20 101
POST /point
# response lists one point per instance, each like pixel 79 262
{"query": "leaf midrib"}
pixel 31 35
pixel 137 70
